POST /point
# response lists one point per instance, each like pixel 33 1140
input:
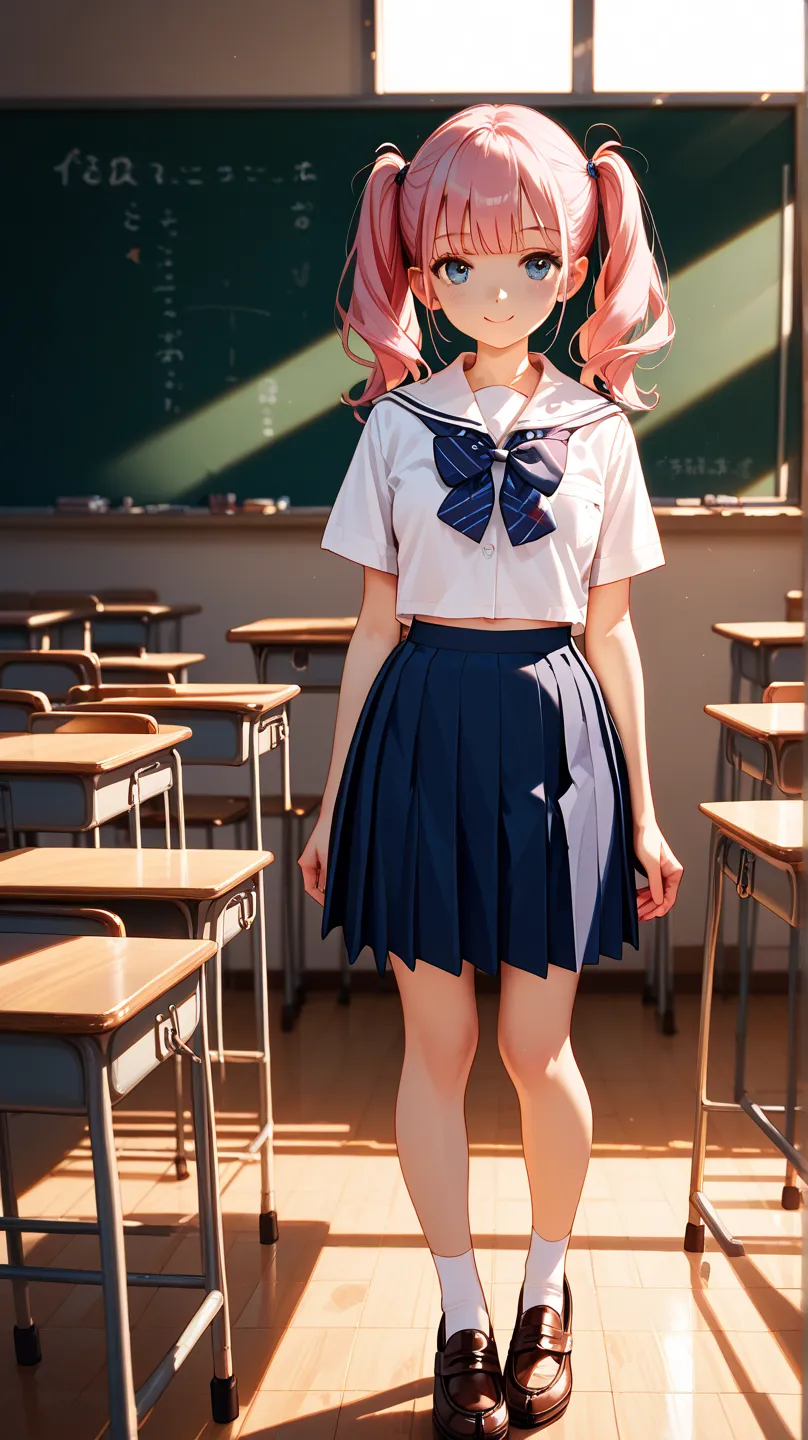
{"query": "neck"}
pixel 511 367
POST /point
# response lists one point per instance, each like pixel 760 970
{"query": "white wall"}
pixel 182 49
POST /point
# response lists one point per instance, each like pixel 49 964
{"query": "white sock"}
pixel 462 1297
pixel 544 1273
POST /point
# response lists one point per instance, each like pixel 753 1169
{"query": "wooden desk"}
pixel 87 985
pixel 758 844
pixel 82 1021
pixel 156 665
pixel 213 894
pixel 30 629
pixel 762 651
pixel 72 783
pixel 307 651
pixel 135 622
pixel 765 741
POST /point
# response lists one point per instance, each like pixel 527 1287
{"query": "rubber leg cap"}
pixel 268 1231
pixel 791 1197
pixel 224 1400
pixel 694 1238
pixel 181 1168
pixel 26 1345
pixel 668 1023
pixel 288 1017
pixel 300 992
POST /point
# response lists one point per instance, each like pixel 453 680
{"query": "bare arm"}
pixel 611 651
pixel 377 633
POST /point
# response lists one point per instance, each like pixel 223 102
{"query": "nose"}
pixel 501 294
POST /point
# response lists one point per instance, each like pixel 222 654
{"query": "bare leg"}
pixel 441 1031
pixel 534 1042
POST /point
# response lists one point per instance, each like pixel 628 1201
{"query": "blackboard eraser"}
pixel 82 505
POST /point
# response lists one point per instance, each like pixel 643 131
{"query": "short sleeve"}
pixel 628 543
pixel 360 525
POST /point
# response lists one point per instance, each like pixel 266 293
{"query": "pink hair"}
pixel 477 175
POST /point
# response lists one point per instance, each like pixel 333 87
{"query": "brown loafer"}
pixel 469 1394
pixel 535 1397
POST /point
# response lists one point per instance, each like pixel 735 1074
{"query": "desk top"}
pixel 85 985
pixel 61 872
pixel 156 660
pixel 783 721
pixel 762 632
pixel 314 630
pixel 41 619
pixel 246 699
pixel 68 754
pixel 150 610
pixel 774 826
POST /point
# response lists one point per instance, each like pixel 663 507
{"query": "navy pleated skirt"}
pixel 483 812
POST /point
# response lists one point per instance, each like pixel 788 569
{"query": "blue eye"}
pixel 456 271
pixel 538 267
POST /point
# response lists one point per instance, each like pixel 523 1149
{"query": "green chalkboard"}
pixel 168 281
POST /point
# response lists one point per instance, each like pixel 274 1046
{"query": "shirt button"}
pixel 488 551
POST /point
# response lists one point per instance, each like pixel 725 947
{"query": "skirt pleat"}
pixel 483 813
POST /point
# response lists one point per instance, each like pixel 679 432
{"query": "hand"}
pixel 314 859
pixel 663 869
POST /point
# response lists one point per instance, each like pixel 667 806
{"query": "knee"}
pixel 446 1052
pixel 531 1059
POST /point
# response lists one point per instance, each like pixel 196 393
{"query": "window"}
pixel 699 45
pixel 496 47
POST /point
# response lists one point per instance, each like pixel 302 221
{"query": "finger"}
pixel 655 880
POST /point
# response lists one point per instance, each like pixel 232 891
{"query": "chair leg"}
pixel 649 990
pixel 744 981
pixel 344 993
pixel 694 1233
pixel 26 1334
pixel 268 1218
pixel 223 1386
pixel 666 1014
pixel 122 1411
pixel 791 1194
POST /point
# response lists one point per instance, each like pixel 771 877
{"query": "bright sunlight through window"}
pixel 441 48
pixel 699 45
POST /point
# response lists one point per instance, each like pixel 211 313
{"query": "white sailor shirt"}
pixel 601 525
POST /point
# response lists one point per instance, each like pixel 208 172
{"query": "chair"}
pixel 16 708
pixel 59 920
pixel 53 672
pixel 784 692
pixel 793 605
pixel 138 595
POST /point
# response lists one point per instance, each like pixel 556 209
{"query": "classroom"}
pixel 305 857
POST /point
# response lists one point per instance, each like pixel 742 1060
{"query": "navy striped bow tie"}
pixel 534 465
pixel 534 459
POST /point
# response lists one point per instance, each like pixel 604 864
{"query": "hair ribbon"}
pixel 401 173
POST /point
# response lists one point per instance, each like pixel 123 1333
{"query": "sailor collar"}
pixel 533 450
pixel 447 396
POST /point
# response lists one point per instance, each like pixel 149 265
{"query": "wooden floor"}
pixel 334 1336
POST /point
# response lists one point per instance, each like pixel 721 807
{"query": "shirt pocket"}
pixel 582 501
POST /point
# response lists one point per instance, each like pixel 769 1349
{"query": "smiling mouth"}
pixel 498 322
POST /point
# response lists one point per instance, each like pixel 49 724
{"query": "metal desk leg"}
pixel 300 942
pixel 735 655
pixel 122 1409
pixel 26 1334
pixel 694 1233
pixel 223 1386
pixel 268 1218
pixel 289 1008
pixel 791 1194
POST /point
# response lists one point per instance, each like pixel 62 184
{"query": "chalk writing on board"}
pixel 267 400
pixel 721 465
pixel 81 168
pixel 170 354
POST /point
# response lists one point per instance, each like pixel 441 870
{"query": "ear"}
pixel 418 288
pixel 577 275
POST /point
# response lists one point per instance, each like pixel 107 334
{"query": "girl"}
pixel 483 806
